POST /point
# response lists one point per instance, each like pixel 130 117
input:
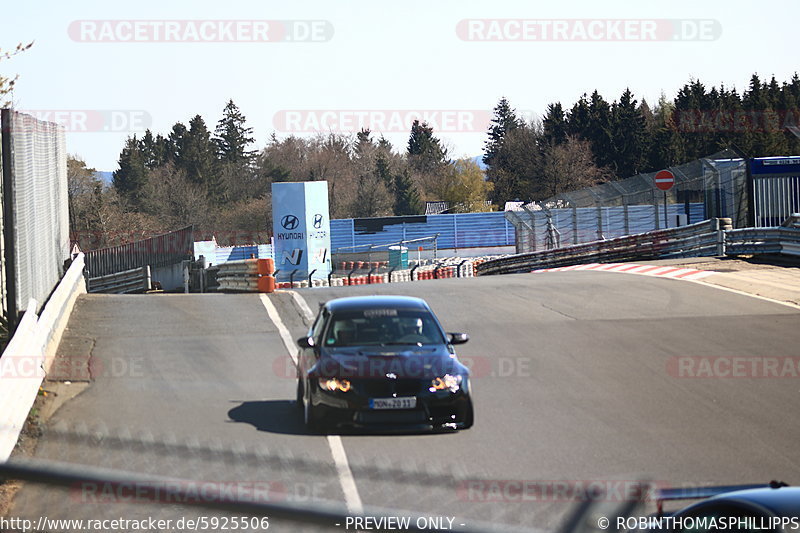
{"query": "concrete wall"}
pixel 30 354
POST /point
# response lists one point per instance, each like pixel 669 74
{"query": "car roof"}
pixel 354 303
pixel 784 501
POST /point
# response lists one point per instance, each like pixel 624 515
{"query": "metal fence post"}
pixel 626 221
pixel 574 224
pixel 10 266
pixel 599 221
pixel 655 208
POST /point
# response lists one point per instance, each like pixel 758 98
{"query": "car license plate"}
pixel 393 403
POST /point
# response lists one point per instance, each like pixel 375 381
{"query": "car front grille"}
pixel 387 388
pixel 391 417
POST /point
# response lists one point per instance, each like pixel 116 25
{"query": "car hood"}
pixel 404 362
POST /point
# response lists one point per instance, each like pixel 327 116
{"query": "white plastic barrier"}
pixel 30 353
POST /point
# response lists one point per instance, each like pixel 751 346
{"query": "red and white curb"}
pixel 631 268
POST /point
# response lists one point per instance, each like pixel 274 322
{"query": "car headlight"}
pixel 448 381
pixel 333 384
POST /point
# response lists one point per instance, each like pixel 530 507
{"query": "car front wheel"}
pixel 310 415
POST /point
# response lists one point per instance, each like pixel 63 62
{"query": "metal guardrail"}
pixel 134 280
pixel 703 238
pixel 162 250
pixel 746 241
pixel 792 221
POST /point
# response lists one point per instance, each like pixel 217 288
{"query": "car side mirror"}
pixel 457 338
pixel 305 342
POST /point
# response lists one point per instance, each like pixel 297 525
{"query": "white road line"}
pixel 737 291
pixel 286 337
pixel 301 303
pixel 346 480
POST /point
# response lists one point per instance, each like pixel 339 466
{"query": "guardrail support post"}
pixel 291 278
pixel 309 276
pixel 329 276
pixel 721 248
pixel 369 276
pixel 458 270
pixel 411 274
pixel 390 274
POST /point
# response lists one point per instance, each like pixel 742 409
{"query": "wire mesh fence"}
pixel 35 209
pixel 714 186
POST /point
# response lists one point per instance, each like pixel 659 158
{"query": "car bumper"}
pixel 440 410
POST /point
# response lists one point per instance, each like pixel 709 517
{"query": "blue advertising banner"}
pixel 302 229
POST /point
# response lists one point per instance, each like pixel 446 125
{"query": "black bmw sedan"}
pixel 382 362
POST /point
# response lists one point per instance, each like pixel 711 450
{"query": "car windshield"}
pixel 374 327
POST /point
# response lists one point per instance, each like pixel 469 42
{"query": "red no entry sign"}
pixel 664 180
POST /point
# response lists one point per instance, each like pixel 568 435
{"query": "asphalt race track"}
pixel 576 378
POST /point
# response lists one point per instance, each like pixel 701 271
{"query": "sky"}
pixel 109 70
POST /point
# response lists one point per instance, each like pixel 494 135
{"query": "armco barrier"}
pixel 134 280
pixel 249 275
pixel 703 238
pixel 30 353
pixel 746 241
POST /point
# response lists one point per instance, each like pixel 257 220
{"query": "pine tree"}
pixel 425 152
pixel 176 142
pixel 666 148
pixel 599 132
pixel 506 183
pixel 154 150
pixel 628 133
pixel 363 146
pixel 197 158
pixel 232 137
pixel 407 201
pixel 504 120
pixel 383 169
pixel 579 119
pixel 131 176
pixel 554 124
